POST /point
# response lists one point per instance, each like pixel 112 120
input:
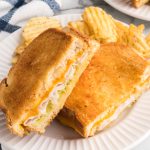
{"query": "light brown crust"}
pixel 26 81
pixel 77 34
pixel 90 46
pixel 69 89
pixel 108 80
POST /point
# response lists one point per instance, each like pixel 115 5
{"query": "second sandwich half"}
pixel 114 79
pixel 39 83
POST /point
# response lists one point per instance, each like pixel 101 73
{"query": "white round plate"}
pixel 132 126
pixel 126 7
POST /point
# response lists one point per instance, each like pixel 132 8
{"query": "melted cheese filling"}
pixel 101 122
pixel 46 107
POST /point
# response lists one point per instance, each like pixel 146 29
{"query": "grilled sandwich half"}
pixel 114 79
pixel 38 84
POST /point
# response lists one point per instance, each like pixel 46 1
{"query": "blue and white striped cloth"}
pixel 14 13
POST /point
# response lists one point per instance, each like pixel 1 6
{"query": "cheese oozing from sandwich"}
pixel 67 74
pixel 47 105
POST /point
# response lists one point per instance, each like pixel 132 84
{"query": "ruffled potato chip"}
pixel 80 26
pixel 102 26
pixel 37 25
pixel 121 29
pixel 148 39
pixel 133 36
pixel 20 48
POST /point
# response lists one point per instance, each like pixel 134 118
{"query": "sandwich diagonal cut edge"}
pixel 38 76
pixel 108 74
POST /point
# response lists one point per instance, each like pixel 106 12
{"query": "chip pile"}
pixel 95 23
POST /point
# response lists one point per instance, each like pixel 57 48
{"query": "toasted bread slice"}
pixel 115 78
pixel 38 84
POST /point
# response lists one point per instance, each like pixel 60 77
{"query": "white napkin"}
pixel 13 16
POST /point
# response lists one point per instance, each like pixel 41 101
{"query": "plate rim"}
pixel 136 16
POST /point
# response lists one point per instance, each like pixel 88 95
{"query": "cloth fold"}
pixel 14 13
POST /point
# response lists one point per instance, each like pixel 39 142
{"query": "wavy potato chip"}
pixel 80 26
pixel 120 29
pixel 37 25
pixel 134 37
pixel 102 26
pixel 148 39
pixel 147 54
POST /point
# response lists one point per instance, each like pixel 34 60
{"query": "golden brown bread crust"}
pixel 25 82
pixel 90 46
pixel 24 89
pixel 107 82
pixel 77 34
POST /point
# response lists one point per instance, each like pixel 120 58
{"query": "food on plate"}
pixel 148 39
pixel 99 25
pixel 134 37
pixel 121 29
pixel 80 26
pixel 102 25
pixel 38 84
pixel 139 3
pixel 52 61
pixel 35 26
pixel 114 79
pixel 96 24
